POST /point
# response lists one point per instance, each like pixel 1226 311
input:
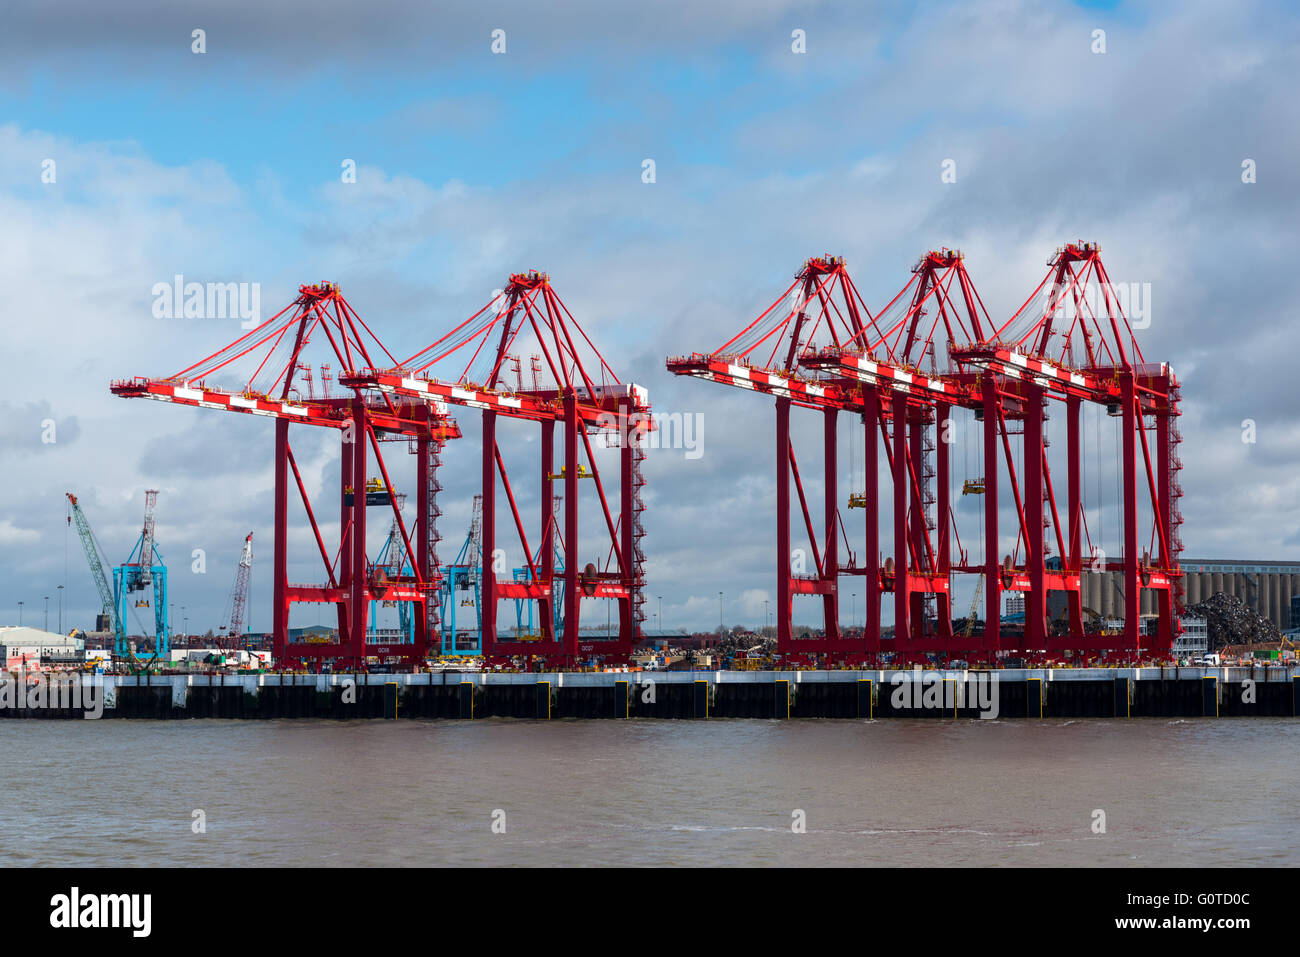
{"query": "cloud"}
pixel 35 427
pixel 761 163
pixel 387 34
pixel 10 535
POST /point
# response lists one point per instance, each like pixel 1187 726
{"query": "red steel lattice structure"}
pixel 583 398
pixel 877 367
pixel 765 357
pixel 898 373
pixel 275 350
pixel 1071 342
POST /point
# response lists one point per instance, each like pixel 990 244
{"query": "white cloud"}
pixel 680 266
pixel 9 535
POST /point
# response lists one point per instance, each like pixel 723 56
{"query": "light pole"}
pixel 60 609
pixel 47 612
pixel 853 622
pixel 720 605
pixel 20 613
pixel 661 612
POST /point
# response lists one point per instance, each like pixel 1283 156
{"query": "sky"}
pixel 128 158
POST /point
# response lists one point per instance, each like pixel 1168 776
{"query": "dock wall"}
pixel 778 695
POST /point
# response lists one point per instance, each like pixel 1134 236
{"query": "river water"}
pixel 641 792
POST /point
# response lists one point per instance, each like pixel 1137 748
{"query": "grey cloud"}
pixel 388 35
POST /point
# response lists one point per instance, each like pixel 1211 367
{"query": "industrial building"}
pixel 20 645
pixel 1271 588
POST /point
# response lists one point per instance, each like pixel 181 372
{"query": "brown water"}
pixel 979 793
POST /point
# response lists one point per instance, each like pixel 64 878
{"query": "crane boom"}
pixel 476 539
pixel 146 538
pixel 975 606
pixel 93 560
pixel 240 596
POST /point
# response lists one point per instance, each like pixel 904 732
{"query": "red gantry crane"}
pixel 900 377
pixel 766 357
pixel 1071 342
pixel 888 368
pixel 872 366
pixel 255 375
pixel 471 366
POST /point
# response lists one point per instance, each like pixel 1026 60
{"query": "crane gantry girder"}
pixel 270 390
pixel 886 375
pixel 327 413
pixel 545 405
pixel 1092 385
pixel 804 392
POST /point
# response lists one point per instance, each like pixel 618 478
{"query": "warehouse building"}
pixel 20 645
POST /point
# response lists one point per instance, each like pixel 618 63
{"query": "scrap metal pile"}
pixel 1230 621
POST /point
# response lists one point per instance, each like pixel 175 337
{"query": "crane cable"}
pixel 1096 468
